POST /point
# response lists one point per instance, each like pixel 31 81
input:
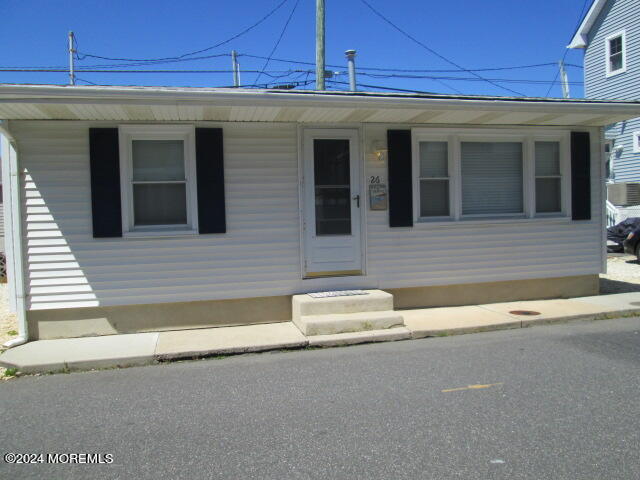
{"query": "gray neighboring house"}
pixel 610 37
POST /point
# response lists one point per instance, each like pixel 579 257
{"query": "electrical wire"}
pixel 566 50
pixel 273 50
pixel 188 54
pixel 381 87
pixel 423 45
pixel 300 62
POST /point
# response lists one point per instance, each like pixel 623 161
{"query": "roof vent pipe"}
pixel 351 56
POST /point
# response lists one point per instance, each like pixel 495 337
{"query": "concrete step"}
pixel 334 323
pixel 373 301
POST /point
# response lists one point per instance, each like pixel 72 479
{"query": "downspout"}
pixel 9 150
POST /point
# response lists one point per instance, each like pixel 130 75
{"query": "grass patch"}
pixel 10 372
pixel 13 333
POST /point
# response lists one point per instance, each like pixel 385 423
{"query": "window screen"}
pixel 159 182
pixel 491 178
pixel 615 53
pixel 434 179
pixel 548 177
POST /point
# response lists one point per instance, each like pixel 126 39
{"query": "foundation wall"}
pixel 78 322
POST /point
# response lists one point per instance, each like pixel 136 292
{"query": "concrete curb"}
pixel 353 338
pixel 168 357
pixel 53 356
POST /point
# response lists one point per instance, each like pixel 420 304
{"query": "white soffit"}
pixel 171 105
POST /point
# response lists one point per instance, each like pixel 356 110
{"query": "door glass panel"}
pixel 332 182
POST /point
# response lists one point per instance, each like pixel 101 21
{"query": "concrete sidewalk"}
pixel 147 348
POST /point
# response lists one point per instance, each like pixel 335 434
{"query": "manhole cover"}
pixel 523 312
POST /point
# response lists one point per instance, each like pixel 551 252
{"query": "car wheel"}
pixel 638 252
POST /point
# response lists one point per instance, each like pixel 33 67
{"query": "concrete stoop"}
pixel 345 314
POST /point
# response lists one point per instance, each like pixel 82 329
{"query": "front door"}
pixel 332 203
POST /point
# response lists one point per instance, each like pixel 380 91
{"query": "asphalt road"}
pixel 563 403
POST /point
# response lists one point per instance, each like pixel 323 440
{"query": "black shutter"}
pixel 400 181
pixel 104 160
pixel 210 178
pixel 580 176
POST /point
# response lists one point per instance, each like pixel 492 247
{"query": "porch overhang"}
pixel 165 104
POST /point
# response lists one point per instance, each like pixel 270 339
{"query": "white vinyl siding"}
pixel 260 253
pixel 464 252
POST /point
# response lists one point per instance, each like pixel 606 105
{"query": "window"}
pixel 157 173
pixel 548 177
pixel 615 47
pixel 636 142
pixel 434 179
pixel 609 160
pixel 466 174
pixel 492 178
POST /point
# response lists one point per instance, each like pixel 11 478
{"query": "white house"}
pixel 137 208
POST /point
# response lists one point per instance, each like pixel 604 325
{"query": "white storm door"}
pixel 331 203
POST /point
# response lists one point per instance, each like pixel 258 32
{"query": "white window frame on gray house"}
pixel 184 133
pixel 635 138
pixel 622 35
pixel 609 159
pixel 455 138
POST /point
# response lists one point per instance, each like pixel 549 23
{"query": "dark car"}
pixel 632 242
pixel 618 233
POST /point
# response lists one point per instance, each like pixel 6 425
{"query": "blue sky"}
pixel 473 34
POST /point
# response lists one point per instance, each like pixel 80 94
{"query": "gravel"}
pixel 623 275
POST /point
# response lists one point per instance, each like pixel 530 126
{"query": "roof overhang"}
pixel 135 104
pixel 581 37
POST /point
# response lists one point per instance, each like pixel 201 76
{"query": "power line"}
pixel 566 50
pixel 273 50
pixel 285 73
pixel 466 79
pixel 418 42
pixel 381 88
pixel 195 52
pixel 301 62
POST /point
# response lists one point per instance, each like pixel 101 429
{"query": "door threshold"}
pixel 335 273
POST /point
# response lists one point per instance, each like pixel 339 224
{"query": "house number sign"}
pixel 377 194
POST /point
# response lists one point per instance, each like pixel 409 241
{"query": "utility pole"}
pixel 351 56
pixel 236 68
pixel 320 45
pixel 564 80
pixel 72 75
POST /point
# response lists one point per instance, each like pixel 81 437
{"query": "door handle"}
pixel 357 199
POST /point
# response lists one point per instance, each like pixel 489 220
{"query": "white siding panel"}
pixel 260 253
pixel 458 253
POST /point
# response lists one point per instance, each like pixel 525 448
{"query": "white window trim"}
pixel 128 133
pixel 528 137
pixel 635 137
pixel 607 49
pixel 608 155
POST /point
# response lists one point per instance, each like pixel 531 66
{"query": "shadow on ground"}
pixel 608 286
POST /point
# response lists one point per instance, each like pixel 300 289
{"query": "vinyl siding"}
pixel 260 253
pixel 615 16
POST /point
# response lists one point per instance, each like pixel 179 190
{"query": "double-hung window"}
pixel 434 179
pixel 478 174
pixel 157 172
pixel 548 177
pixel 615 48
